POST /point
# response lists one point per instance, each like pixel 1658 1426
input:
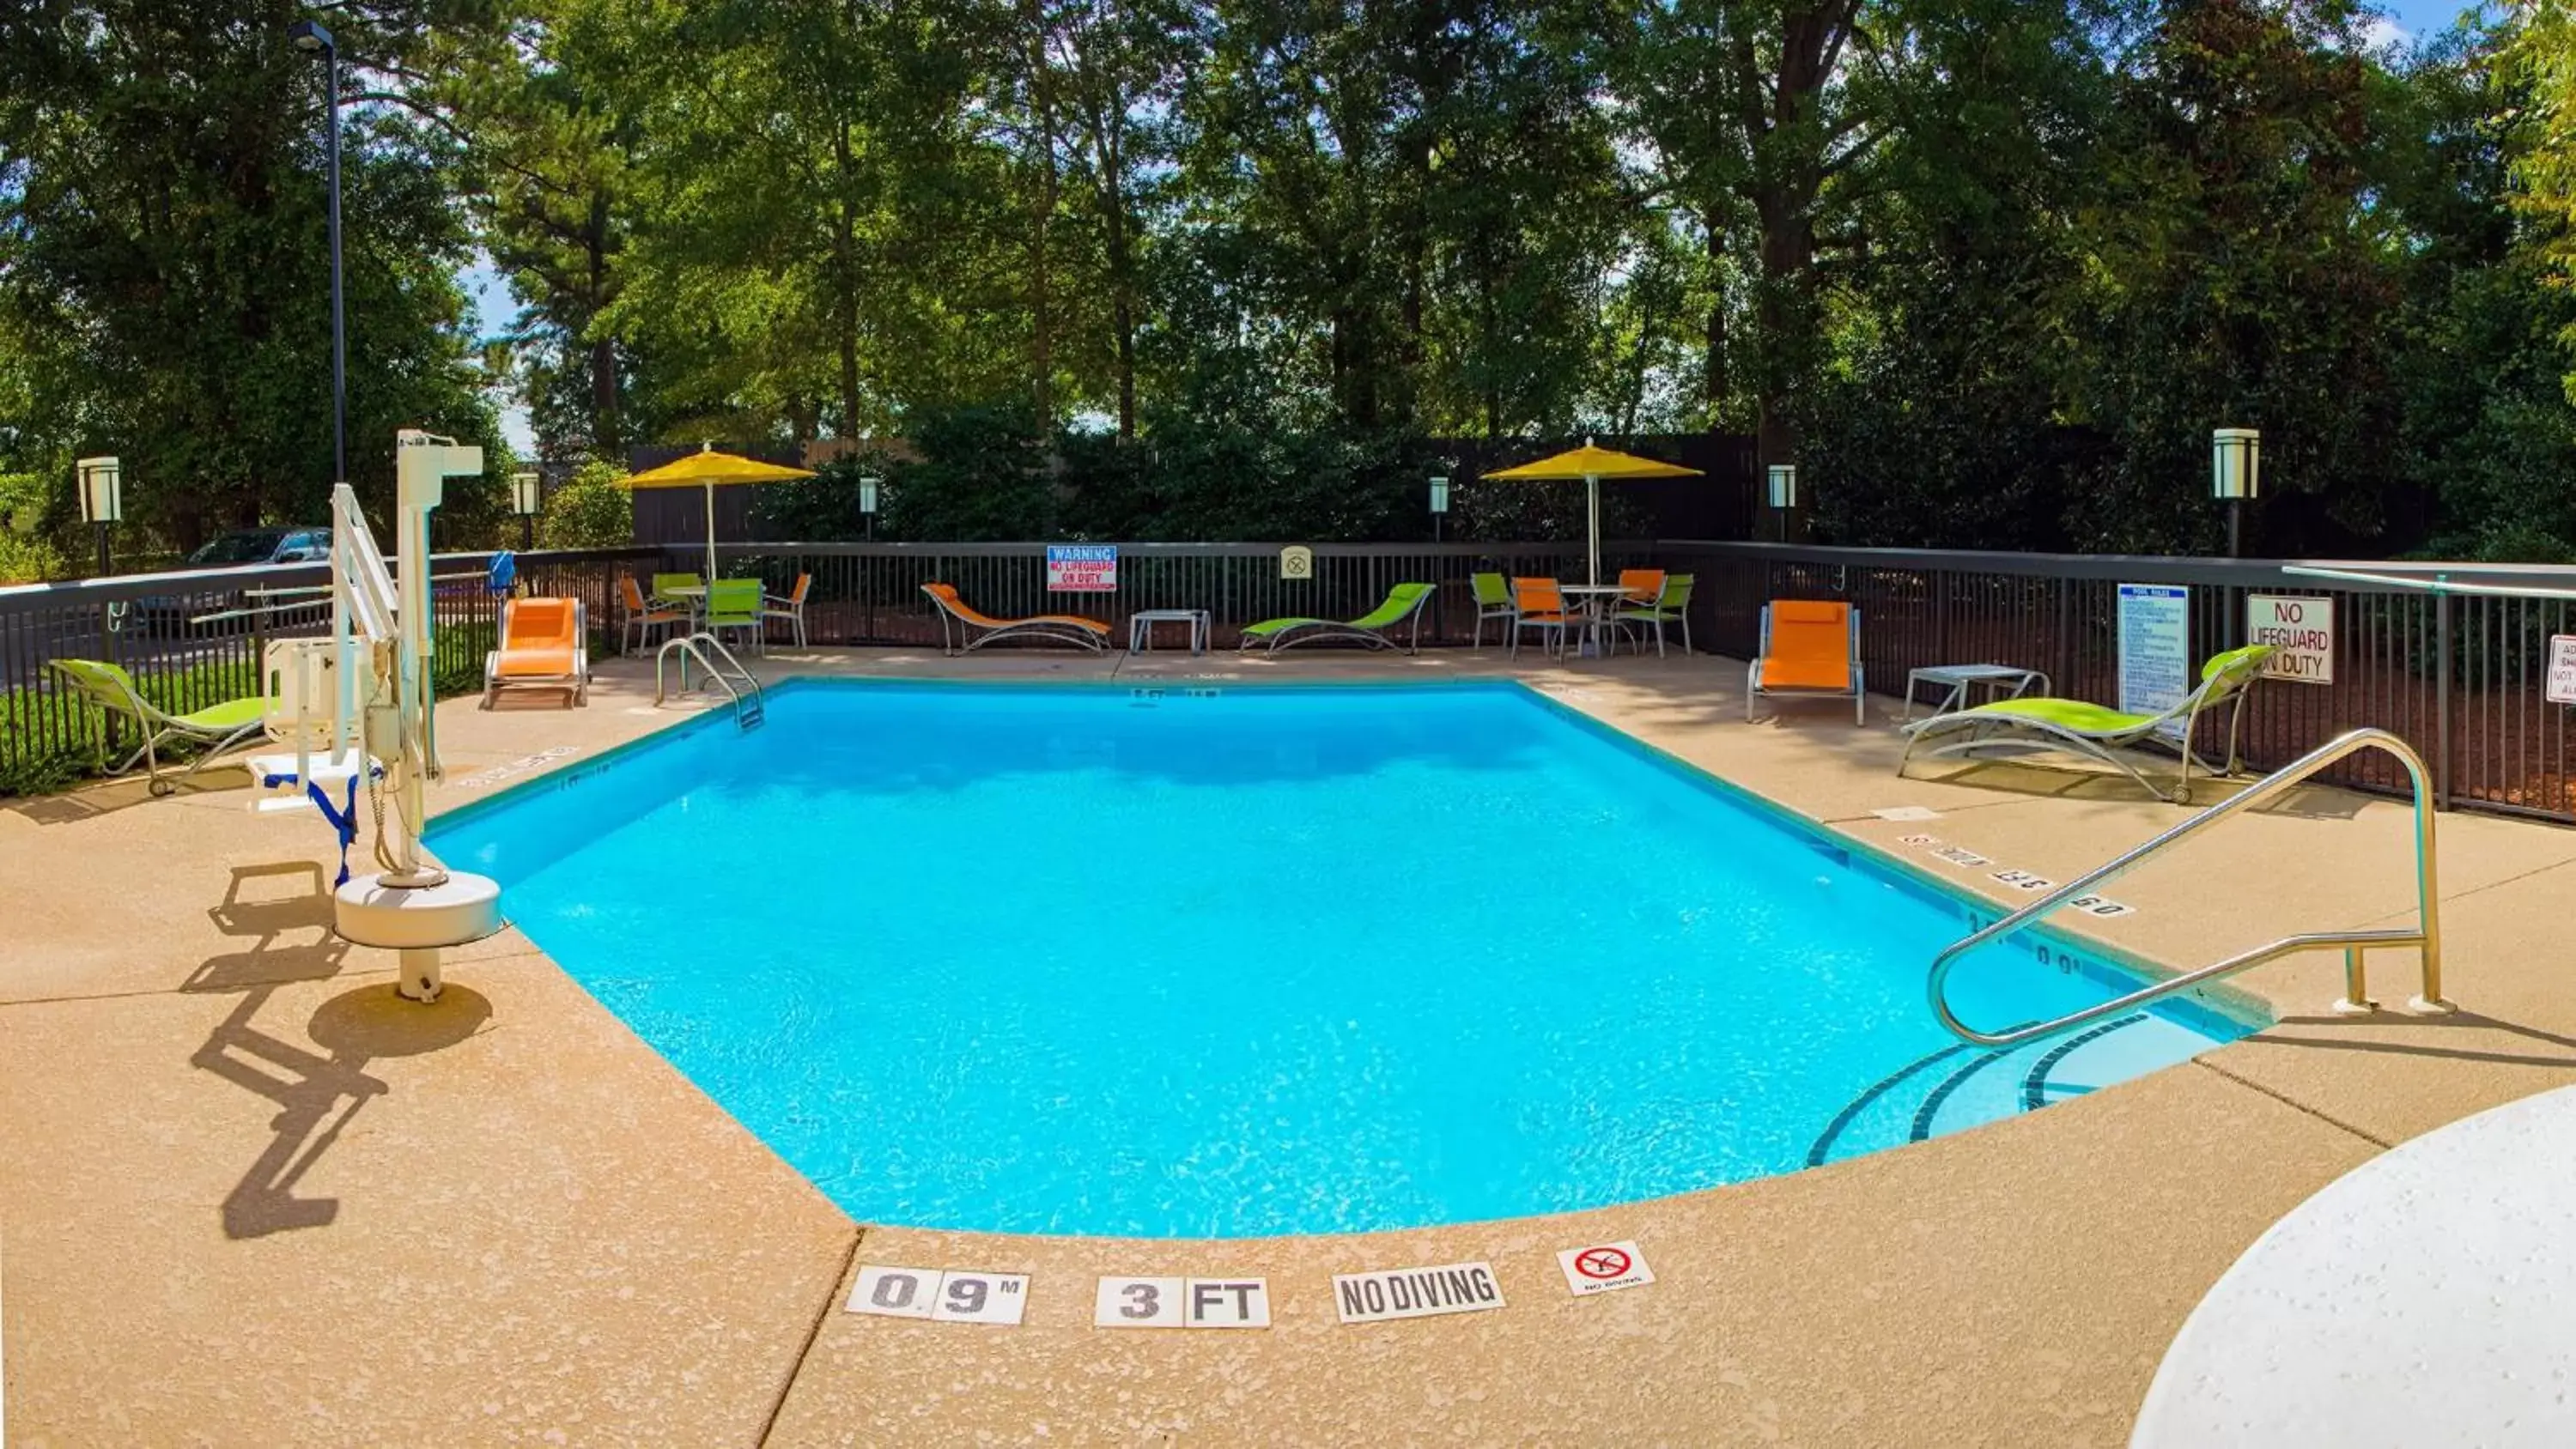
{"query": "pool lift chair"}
pixel 358 710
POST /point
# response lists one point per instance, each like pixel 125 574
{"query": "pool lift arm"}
pixel 381 627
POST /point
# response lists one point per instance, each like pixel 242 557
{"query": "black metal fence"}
pixel 2459 677
pixel 194 639
pixel 870 593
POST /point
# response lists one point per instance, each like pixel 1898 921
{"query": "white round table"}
pixel 2427 1297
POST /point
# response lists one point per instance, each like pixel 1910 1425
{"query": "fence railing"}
pixel 193 639
pixel 2459 678
pixel 870 593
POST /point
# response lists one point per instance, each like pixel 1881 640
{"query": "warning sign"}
pixel 1604 1268
pixel 2561 688
pixel 2301 632
pixel 1416 1292
pixel 1082 568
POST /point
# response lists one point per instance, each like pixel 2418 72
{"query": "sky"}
pixel 2402 21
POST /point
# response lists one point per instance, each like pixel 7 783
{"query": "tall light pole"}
pixel 312 39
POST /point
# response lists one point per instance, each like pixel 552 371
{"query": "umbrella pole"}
pixel 711 533
pixel 1592 490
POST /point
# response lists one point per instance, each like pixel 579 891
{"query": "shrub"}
pixel 588 510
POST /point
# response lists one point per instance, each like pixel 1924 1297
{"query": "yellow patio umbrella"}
pixel 1593 464
pixel 705 469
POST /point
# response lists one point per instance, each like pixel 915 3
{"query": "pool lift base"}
pixel 417 913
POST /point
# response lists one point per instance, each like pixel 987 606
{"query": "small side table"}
pixel 1140 628
pixel 1958 679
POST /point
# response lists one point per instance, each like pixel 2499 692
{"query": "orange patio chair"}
pixel 638 620
pixel 1539 604
pixel 1810 648
pixel 1638 589
pixel 543 645
pixel 963 628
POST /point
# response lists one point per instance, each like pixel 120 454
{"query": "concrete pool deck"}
pixel 248 1197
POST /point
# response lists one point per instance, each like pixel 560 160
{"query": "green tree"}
pixel 163 262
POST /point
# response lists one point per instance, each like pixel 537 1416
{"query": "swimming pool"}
pixel 1201 962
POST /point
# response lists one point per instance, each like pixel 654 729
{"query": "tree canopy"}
pixel 1988 271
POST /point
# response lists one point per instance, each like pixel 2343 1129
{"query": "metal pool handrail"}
pixel 2427 935
pixel 748 709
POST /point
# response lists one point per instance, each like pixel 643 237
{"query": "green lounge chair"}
pixel 2039 724
pixel 1403 606
pixel 218 727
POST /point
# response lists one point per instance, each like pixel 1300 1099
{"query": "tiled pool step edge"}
pixel 1947 1074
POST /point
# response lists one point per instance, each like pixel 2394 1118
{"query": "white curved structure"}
pixel 2427 1297
pixel 380 630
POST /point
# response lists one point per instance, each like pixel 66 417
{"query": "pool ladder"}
pixel 2426 937
pixel 721 666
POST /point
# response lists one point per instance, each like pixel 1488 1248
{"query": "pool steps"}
pixel 1961 1086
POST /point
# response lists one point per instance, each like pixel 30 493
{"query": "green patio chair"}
pixel 2033 724
pixel 1375 628
pixel 735 604
pixel 1670 606
pixel 218 727
pixel 1493 601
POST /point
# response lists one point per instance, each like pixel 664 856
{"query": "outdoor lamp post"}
pixel 1784 493
pixel 312 39
pixel 102 499
pixel 527 497
pixel 2236 476
pixel 1439 503
pixel 868 484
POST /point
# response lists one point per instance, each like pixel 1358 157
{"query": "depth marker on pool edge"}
pixel 955 1296
pixel 1181 1303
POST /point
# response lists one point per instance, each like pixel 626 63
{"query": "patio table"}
pixel 1595 601
pixel 1958 678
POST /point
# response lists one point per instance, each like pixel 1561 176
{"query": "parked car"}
pixel 262 545
pixel 168 614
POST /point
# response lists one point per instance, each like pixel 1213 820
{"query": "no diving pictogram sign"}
pixel 1601 1262
pixel 1603 1267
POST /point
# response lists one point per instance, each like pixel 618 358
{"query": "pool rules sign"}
pixel 2301 632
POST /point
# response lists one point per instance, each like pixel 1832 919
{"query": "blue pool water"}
pixel 1261 960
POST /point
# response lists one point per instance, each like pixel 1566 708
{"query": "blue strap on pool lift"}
pixel 344 819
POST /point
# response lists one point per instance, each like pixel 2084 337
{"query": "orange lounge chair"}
pixel 973 629
pixel 1810 648
pixel 543 643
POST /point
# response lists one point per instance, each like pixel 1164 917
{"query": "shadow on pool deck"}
pixel 310 1088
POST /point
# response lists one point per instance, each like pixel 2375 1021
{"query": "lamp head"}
pixel 102 490
pixel 309 37
pixel 2235 463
